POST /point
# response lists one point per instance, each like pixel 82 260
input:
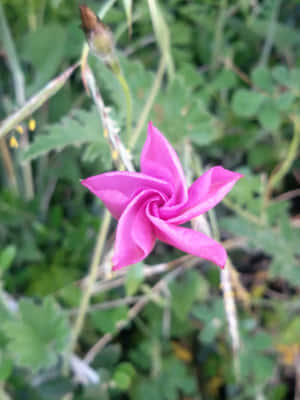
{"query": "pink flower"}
pixel 153 203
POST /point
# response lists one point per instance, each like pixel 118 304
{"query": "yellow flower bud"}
pixel 20 129
pixel 32 124
pixel 13 142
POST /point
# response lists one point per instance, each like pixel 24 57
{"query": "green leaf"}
pixel 281 74
pixel 44 48
pixel 6 258
pixel 185 292
pixel 106 320
pixel 82 127
pixel 295 78
pixel 284 101
pixel 6 366
pixel 212 317
pixel 124 375
pixel 226 79
pixel 246 103
pixel 281 243
pixel 134 278
pixel 38 334
pixel 290 334
pixel 269 116
pixel 179 113
pixel 247 193
pixel 262 78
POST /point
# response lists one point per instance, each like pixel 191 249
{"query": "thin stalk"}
pixel 278 175
pixel 147 108
pixel 162 33
pixel 85 301
pixel 128 99
pixel 267 48
pixel 19 86
pixel 218 42
pixel 35 102
pixel 8 165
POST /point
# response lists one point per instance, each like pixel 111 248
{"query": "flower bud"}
pixel 98 36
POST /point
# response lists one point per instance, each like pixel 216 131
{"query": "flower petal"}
pixel 116 189
pixel 160 160
pixel 135 236
pixel 189 241
pixel 204 194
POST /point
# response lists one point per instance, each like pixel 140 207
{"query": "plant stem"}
pixel 147 108
pixel 128 100
pixel 278 175
pixel 8 165
pixel 85 301
pixel 35 102
pixel 19 86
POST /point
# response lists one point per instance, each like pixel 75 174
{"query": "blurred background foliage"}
pixel 232 98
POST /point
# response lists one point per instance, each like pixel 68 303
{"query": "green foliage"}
pixel 172 380
pixel 235 90
pixel 134 278
pixel 246 103
pixel 6 258
pixel 38 334
pixel 185 293
pixel 106 320
pixel 81 127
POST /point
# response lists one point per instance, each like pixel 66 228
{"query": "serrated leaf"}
pixel 37 334
pixel 282 244
pixel 180 113
pixel 82 127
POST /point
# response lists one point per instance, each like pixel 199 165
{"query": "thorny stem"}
pixel 147 108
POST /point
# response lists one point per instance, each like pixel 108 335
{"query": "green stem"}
pixel 19 88
pixel 8 165
pixel 85 300
pixel 128 100
pixel 147 108
pixel 291 156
